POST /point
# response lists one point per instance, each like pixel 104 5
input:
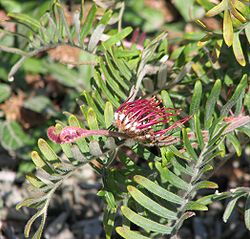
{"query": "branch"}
pixel 35 52
pixel 13 50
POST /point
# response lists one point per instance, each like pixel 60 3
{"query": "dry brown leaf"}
pixel 65 54
pixel 34 80
pixel 12 106
pixel 165 7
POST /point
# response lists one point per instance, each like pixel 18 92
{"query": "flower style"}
pixel 144 120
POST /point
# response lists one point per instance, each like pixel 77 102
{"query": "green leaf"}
pixel 189 6
pixel 228 28
pixel 39 162
pixel 236 95
pixel 211 102
pixel 40 104
pixel 82 143
pixel 92 120
pixel 198 131
pixel 5 92
pixel 117 37
pixel 108 222
pixel 158 190
pixel 235 142
pixel 247 212
pixel 196 100
pixel 34 181
pixel 181 166
pixel 188 145
pixel 115 72
pixel 178 154
pixel 65 76
pixel 196 206
pixel 47 151
pixel 149 204
pixel 23 18
pixel 206 168
pixel 128 234
pixel 121 65
pixel 93 105
pixel 34 65
pixel 28 202
pixel 166 99
pixel 213 197
pixel 31 221
pixel 98 32
pixel 215 138
pixel 12 137
pixel 88 23
pixel 247 31
pixel 143 222
pixel 216 9
pixel 205 184
pixel 106 17
pixel 105 90
pixel 171 177
pixel 237 49
pixel 243 8
pixel 108 114
pixel 229 208
pixel 111 82
pixel 235 13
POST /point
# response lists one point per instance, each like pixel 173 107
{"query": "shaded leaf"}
pixel 247 212
pixel 211 103
pixel 196 100
pixel 229 208
pixel 12 136
pixel 5 92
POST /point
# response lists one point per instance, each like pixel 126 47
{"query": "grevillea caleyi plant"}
pixel 161 191
pixel 144 120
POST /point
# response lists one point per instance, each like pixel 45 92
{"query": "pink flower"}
pixel 145 120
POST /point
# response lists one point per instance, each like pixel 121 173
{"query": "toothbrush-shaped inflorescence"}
pixel 145 120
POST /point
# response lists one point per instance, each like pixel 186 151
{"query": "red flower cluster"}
pixel 145 120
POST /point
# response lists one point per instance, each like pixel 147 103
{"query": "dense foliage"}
pixel 151 177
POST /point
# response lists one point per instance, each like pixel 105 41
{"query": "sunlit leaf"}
pixel 228 29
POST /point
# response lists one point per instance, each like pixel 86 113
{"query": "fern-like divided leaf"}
pixel 159 202
pixel 53 169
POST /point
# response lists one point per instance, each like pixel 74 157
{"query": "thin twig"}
pixel 13 50
pixel 35 52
